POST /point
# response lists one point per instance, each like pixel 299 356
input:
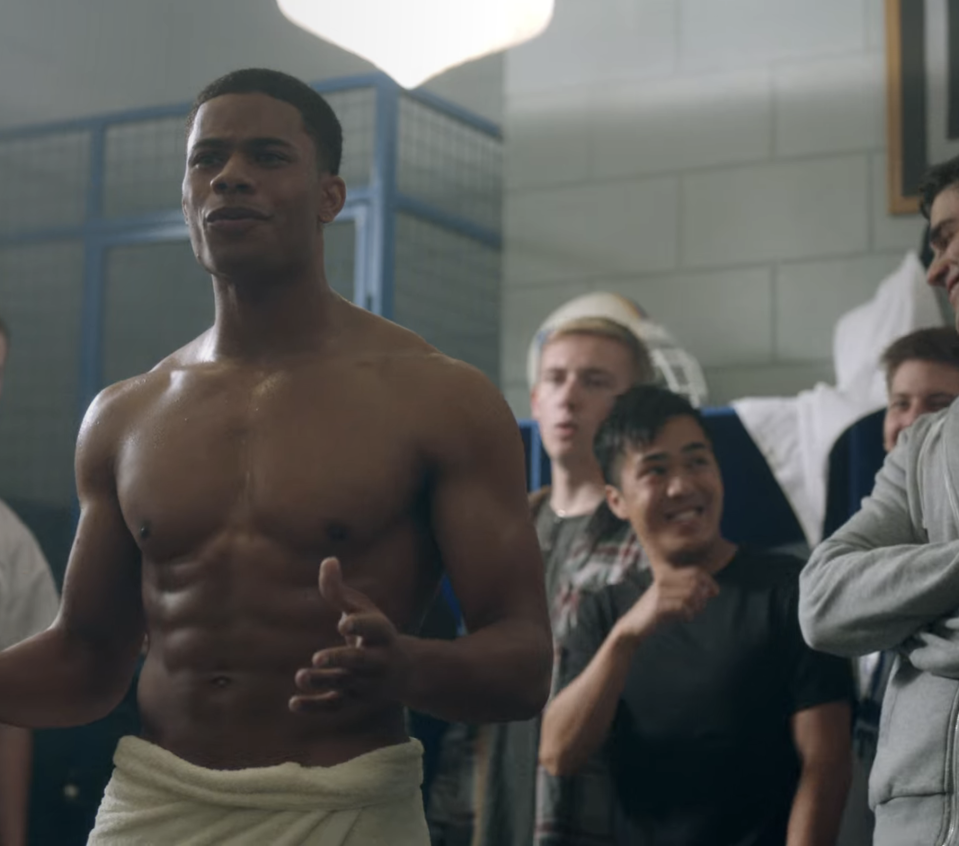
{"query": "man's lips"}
pixel 951 283
pixel 685 515
pixel 234 213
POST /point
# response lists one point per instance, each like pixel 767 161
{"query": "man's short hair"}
pixel 936 180
pixel 637 418
pixel 319 119
pixel 603 327
pixel 4 330
pixel 939 344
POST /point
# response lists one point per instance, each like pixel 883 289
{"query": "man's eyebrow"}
pixel 220 143
pixel 654 456
pixel 935 234
pixel 697 446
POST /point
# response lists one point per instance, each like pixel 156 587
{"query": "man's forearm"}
pixel 855 599
pixel 52 680
pixel 819 802
pixel 496 674
pixel 878 580
pixel 578 720
pixel 16 766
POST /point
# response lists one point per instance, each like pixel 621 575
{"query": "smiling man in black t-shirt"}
pixel 722 727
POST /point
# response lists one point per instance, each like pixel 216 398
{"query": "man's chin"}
pixel 691 553
pixel 237 261
pixel 561 449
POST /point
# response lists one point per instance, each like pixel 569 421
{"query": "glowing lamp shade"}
pixel 413 40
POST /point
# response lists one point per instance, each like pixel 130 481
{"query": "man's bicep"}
pixel 481 520
pixel 102 589
pixel 877 580
pixel 814 677
pixel 822 733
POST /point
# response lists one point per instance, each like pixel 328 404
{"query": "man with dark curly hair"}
pixel 888 580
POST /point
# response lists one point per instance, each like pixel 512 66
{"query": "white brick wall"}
pixel 746 33
pixel 809 295
pixel 592 229
pixel 722 163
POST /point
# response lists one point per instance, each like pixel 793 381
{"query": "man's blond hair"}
pixel 603 327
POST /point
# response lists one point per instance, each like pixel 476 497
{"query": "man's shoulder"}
pixel 409 361
pixel 112 414
pixel 118 402
pixel 767 568
pixel 122 402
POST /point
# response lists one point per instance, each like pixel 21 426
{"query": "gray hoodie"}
pixel 889 579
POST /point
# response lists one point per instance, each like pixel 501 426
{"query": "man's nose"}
pixel 233 177
pixel 572 392
pixel 936 275
pixel 679 484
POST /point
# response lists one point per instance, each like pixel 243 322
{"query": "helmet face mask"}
pixel 675 368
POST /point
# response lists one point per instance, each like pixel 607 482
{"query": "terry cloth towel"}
pixel 158 799
pixel 796 434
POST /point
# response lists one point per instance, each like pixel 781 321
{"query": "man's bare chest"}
pixel 272 460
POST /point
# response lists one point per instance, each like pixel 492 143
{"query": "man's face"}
pixel 917 387
pixel 944 240
pixel 253 196
pixel 671 492
pixel 580 377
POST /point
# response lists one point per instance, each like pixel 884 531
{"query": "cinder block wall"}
pixel 722 162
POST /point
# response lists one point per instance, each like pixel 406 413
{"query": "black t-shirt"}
pixel 701 747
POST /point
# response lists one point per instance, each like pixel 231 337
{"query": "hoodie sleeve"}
pixel 878 581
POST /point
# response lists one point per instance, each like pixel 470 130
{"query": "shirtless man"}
pixel 300 440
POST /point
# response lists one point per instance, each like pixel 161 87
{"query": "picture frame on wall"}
pixel 922 63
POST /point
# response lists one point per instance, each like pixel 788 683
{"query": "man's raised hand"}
pixel 680 593
pixel 371 666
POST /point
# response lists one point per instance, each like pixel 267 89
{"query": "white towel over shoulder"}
pixel 796 434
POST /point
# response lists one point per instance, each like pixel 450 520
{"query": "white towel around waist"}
pixel 158 799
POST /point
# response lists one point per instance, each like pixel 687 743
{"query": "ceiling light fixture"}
pixel 414 40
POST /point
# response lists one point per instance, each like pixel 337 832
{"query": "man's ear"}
pixel 332 197
pixel 534 403
pixel 616 503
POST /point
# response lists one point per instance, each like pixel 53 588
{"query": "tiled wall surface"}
pixel 722 162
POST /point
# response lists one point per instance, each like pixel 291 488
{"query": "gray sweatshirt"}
pixel 889 579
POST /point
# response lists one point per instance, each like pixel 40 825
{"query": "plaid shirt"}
pixel 579 810
pixel 461 809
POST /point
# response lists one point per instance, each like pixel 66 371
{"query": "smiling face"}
pixel 916 388
pixel 579 379
pixel 944 240
pixel 254 197
pixel 671 492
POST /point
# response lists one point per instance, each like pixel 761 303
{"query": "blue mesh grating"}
pixel 44 181
pixel 40 298
pixel 447 289
pixel 450 164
